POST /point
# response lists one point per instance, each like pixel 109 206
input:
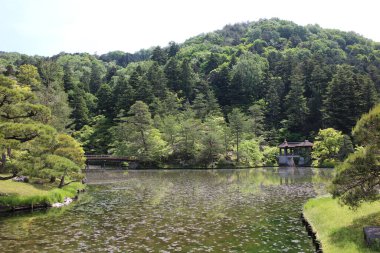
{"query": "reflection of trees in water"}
pixel 217 209
pixel 292 175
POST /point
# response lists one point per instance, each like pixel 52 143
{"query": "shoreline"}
pixel 54 198
pixel 312 234
pixel 337 228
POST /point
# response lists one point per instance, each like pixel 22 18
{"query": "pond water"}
pixel 247 210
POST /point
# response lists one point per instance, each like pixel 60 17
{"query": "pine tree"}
pixel 238 123
pixel 80 113
pixel 273 99
pixel 106 103
pixel 348 96
pixel 295 103
pixel 172 72
pixel 124 95
pixel 159 55
pixel 157 80
pixel 187 80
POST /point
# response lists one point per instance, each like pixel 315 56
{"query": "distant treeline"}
pixel 251 84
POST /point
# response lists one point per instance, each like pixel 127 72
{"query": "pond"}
pixel 245 210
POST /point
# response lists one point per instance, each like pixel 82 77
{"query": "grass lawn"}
pixel 338 228
pixel 13 194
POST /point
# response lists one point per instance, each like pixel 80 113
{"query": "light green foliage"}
pixel 358 178
pixel 247 77
pixel 250 153
pixel 256 119
pixel 367 129
pixel 326 148
pixel 270 156
pixel 238 123
pixel 138 138
pixel 21 121
pixel 170 127
pixel 290 80
pixel 28 75
pixel 30 146
pixel 69 148
pixel 212 140
pixel 52 95
pixel 189 135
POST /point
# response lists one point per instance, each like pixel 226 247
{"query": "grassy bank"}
pixel 339 229
pixel 15 194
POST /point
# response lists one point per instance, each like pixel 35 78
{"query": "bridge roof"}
pixel 304 143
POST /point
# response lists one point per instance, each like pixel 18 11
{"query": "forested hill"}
pixel 273 79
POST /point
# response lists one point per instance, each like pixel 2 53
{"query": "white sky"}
pixel 47 27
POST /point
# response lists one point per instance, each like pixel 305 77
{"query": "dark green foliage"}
pixel 348 96
pixel 295 103
pixel 173 49
pixel 304 78
pixel 157 80
pixel 80 112
pixel 172 72
pixel 358 177
pixel 273 99
pixel 159 55
pixel 106 101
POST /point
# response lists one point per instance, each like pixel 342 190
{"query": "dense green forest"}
pixel 218 98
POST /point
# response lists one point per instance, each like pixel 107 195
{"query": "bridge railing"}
pixel 98 156
pixel 109 158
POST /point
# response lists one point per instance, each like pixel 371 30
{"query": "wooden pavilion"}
pixel 295 153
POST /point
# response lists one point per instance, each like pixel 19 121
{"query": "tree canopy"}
pixel 288 80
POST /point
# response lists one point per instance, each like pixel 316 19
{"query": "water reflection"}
pixel 255 210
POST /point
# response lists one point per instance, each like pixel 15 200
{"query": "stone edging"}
pixel 311 233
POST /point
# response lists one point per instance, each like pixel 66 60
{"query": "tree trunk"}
pixel 143 139
pixel 237 147
pixel 62 183
pixel 52 179
pixel 3 162
pixel 9 152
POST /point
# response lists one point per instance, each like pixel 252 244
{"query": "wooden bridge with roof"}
pixel 104 160
pixel 299 150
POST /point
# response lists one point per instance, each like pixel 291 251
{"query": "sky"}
pixel 48 27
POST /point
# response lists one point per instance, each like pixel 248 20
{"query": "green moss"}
pixel 22 194
pixel 339 228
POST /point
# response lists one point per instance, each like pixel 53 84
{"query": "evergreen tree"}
pixel 348 96
pixel 220 81
pixel 159 55
pixel 295 103
pixel 256 119
pixel 273 99
pixel 106 101
pixel 22 122
pixel 238 123
pixel 157 80
pixel 187 80
pixel 80 113
pixel 124 95
pixel 51 93
pixel 173 49
pixel 172 72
